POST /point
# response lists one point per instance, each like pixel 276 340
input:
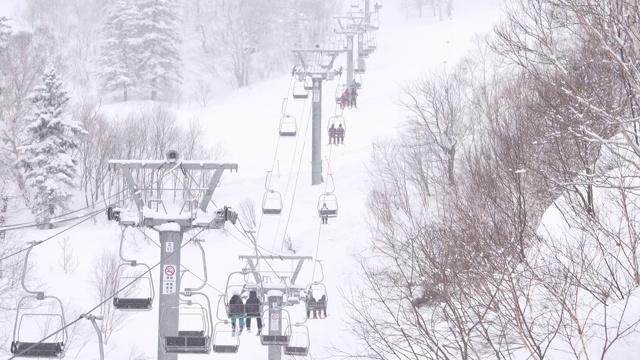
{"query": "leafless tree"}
pixel 437 111
pixel 105 281
pixel 67 260
pixel 247 212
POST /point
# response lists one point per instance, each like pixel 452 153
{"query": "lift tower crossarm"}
pixel 166 165
pixel 355 27
pixel 127 165
pixel 305 67
pixel 252 267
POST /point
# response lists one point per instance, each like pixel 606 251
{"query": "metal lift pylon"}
pixel 318 73
pixel 274 293
pixel 171 228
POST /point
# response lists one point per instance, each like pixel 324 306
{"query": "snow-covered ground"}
pixel 245 122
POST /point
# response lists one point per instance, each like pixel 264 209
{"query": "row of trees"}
pixel 515 194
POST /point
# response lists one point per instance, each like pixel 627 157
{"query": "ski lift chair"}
pixel 318 289
pixel 217 344
pixel 336 121
pixel 298 340
pixel 331 201
pixel 339 91
pixel 375 19
pixel 272 203
pixel 191 341
pixel 277 340
pixel 300 90
pixel 240 310
pixel 51 348
pixel 355 3
pixel 288 126
pixel 130 301
pixel 44 348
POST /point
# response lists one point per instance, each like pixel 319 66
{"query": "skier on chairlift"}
pixel 236 310
pixel 345 99
pixel 324 214
pixel 332 134
pixel 354 96
pixel 253 309
pixel 340 134
pixel 311 304
pixel 322 306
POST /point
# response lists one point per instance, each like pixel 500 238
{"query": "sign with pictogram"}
pixel 169 280
pixel 169 271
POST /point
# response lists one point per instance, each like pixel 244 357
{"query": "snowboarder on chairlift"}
pixel 324 214
pixel 332 134
pixel 253 309
pixel 322 306
pixel 236 311
pixel 340 134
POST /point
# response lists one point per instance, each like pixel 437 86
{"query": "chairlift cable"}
pixel 291 168
pixel 275 154
pixel 86 217
pixel 57 218
pixel 295 186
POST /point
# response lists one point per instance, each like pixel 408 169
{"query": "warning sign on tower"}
pixel 169 279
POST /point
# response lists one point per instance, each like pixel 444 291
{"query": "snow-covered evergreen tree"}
pixel 46 151
pixel 159 42
pixel 120 56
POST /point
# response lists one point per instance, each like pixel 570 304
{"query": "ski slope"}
pixel 245 122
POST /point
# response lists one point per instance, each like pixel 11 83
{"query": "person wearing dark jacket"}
pixel 311 305
pixel 253 310
pixel 332 134
pixel 236 311
pixel 324 215
pixel 340 134
pixel 321 305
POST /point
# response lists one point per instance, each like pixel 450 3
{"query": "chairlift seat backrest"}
pixel 271 211
pixel 245 310
pixel 194 333
pixel 296 350
pixel 287 133
pixel 187 344
pixel 281 340
pixel 225 349
pixel 37 350
pixel 133 303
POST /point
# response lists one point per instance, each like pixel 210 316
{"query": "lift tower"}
pixel 170 227
pixel 274 294
pixel 318 72
pixel 360 22
pixel 353 26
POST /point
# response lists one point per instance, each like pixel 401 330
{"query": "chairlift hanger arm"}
pixel 204 265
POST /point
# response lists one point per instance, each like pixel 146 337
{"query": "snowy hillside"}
pixel 245 123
